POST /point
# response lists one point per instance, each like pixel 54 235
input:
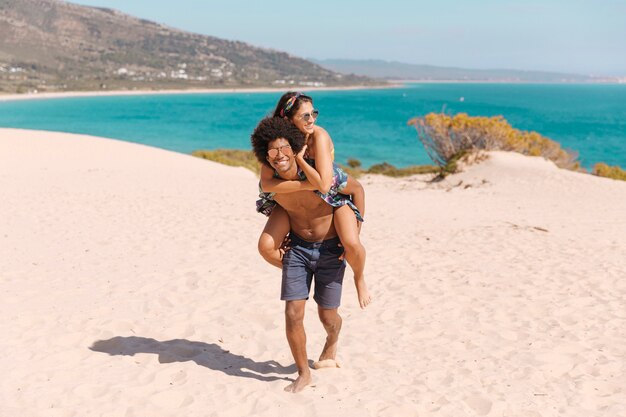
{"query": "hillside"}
pixel 50 45
pixel 401 71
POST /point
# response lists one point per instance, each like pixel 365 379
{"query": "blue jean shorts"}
pixel 308 261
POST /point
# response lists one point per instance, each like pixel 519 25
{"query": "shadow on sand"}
pixel 208 355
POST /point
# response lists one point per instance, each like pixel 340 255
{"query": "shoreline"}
pixel 237 90
pixel 114 93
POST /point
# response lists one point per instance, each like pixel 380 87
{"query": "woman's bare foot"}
pixel 300 383
pixel 361 289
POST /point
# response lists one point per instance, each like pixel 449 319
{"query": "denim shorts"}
pixel 308 261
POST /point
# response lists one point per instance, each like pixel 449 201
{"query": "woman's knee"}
pixel 353 245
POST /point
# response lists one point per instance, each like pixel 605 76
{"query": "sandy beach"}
pixel 131 286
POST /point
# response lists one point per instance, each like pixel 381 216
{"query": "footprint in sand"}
pixel 192 282
pixel 164 302
pixel 172 400
pixel 479 404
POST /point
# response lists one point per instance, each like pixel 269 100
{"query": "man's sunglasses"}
pixel 285 150
pixel 307 116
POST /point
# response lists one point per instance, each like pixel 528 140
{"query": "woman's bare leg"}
pixel 348 231
pixel 270 241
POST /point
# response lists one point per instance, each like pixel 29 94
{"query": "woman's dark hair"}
pixel 288 106
pixel 272 128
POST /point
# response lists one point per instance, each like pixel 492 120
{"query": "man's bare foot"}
pixel 326 363
pixel 361 289
pixel 327 357
pixel 300 383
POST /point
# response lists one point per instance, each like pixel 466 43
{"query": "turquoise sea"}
pixel 370 125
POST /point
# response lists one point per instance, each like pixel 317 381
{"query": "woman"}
pixel 316 162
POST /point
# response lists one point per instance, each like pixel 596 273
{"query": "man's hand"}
pixel 284 247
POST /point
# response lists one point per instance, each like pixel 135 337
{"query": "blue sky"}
pixel 578 36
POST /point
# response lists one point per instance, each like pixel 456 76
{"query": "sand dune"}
pixel 131 286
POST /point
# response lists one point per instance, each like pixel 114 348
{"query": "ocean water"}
pixel 369 125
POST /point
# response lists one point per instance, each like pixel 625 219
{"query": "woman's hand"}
pixel 302 154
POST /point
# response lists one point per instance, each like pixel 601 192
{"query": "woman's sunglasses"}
pixel 307 116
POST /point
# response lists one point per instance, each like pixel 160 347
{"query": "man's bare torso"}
pixel 310 217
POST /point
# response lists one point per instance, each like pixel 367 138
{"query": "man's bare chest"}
pixel 303 201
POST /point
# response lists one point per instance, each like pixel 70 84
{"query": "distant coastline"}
pixel 72 94
pixel 393 70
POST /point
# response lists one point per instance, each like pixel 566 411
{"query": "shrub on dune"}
pixel 246 159
pixel 448 139
pixel 231 157
pixel 391 171
pixel 353 168
pixel 603 170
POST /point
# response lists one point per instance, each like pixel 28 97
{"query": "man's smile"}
pixel 281 162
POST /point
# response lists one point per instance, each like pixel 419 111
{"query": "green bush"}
pixel 353 172
pixel 246 159
pixel 603 170
pixel 446 139
pixel 391 171
pixel 231 157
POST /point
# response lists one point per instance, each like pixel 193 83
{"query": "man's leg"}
pixel 294 319
pixel 331 320
pixel 328 286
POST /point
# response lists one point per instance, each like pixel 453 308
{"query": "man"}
pixel 315 249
